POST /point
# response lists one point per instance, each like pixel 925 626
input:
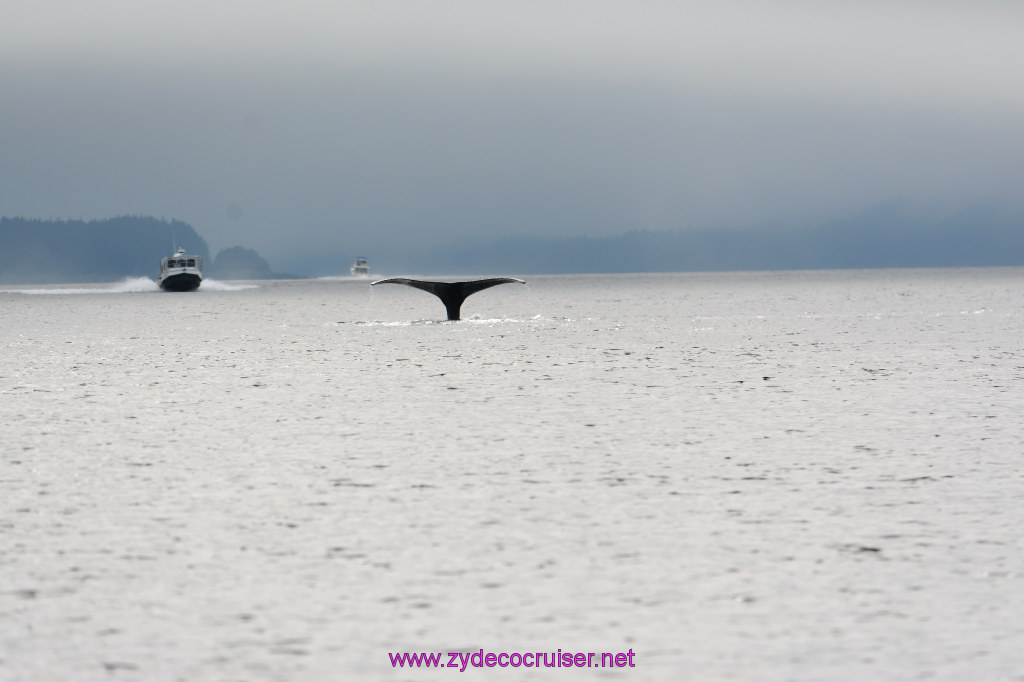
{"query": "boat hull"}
pixel 183 281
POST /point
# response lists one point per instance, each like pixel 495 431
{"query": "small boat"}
pixel 180 272
pixel 360 268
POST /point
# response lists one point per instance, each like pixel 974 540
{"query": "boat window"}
pixel 191 262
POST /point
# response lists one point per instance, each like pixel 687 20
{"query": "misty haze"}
pixel 410 133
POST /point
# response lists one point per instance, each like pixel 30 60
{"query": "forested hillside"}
pixel 45 251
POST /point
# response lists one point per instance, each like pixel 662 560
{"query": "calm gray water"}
pixel 744 476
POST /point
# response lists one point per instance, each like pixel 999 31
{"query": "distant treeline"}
pixel 887 237
pixel 60 251
pixel 237 262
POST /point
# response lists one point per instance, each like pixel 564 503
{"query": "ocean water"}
pixel 736 476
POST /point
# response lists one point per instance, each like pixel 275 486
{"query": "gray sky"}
pixel 315 131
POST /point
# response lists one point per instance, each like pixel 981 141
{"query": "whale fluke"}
pixel 452 294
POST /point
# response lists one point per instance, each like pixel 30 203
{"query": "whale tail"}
pixel 452 294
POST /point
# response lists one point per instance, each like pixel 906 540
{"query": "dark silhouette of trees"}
pixel 58 251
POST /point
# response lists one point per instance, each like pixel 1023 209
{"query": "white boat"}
pixel 360 268
pixel 180 272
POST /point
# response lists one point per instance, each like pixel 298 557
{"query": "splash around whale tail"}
pixel 452 294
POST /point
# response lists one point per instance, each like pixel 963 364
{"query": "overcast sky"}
pixel 316 131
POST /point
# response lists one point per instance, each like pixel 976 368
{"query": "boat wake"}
pixel 132 285
pixel 214 285
pixel 343 278
pixel 135 285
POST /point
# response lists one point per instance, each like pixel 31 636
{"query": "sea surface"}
pixel 793 476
